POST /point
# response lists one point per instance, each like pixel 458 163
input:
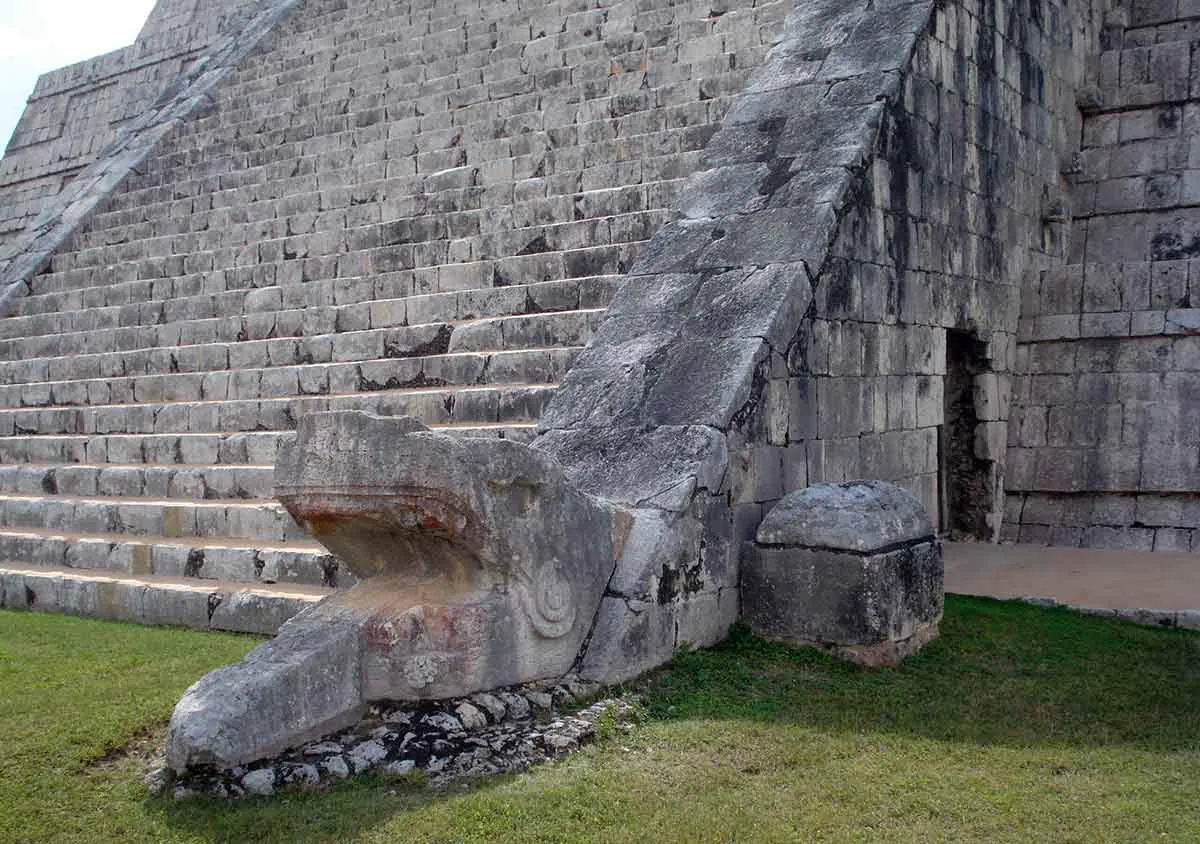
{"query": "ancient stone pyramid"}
pixel 837 240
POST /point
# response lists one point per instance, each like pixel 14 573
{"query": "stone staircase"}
pixel 1105 444
pixel 386 209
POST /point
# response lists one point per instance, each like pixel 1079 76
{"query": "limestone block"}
pixel 180 606
pixel 853 568
pixel 250 612
pixel 302 684
pixel 630 638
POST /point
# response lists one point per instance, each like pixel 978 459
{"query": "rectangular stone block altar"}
pixel 851 568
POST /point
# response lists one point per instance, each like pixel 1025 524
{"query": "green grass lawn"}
pixel 1020 724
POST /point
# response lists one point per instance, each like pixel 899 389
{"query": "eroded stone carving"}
pixel 480 564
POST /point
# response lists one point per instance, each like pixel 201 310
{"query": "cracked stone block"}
pixel 851 568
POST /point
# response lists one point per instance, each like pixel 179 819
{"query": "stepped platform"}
pixel 428 209
pixel 380 208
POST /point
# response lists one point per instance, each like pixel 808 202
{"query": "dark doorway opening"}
pixel 966 481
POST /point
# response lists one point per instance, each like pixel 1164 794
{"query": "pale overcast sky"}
pixel 41 35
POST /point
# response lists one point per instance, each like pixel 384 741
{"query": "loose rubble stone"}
pixel 398 739
pixel 366 755
pixel 492 705
pixel 541 702
pixel 336 767
pixel 404 766
pixel 260 783
pixel 470 717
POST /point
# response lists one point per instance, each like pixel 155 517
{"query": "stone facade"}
pixel 1104 440
pixel 699 254
pixel 75 113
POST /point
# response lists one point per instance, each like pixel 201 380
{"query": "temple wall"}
pixel 903 367
pixel 1104 443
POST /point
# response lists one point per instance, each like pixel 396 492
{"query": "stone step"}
pixel 205 346
pixel 462 369
pixel 440 406
pixel 378 72
pixel 438 28
pixel 413 143
pixel 603 225
pixel 157 600
pixel 258 520
pixel 417 157
pixel 484 215
pixel 238 448
pixel 299 562
pixel 568 156
pixel 179 481
pixel 179 449
pixel 521 243
pixel 133 303
pixel 441 34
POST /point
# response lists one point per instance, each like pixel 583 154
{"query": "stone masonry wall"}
pixel 1105 436
pixel 956 205
pixel 660 412
pixel 74 113
pixel 903 370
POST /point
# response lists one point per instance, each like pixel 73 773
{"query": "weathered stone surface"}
pixel 481 567
pixel 300 685
pixel 869 588
pixel 879 185
pixel 483 564
pixel 860 516
pixel 639 468
pixel 631 637
pixel 260 783
pixel 674 586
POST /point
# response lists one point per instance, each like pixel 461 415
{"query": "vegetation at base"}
pixel 1020 724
